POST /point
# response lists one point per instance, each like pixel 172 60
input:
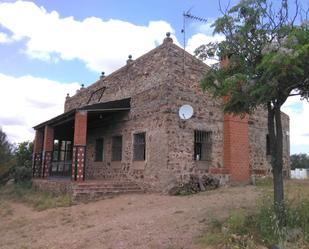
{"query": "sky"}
pixel 49 48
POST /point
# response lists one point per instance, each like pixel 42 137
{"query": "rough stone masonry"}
pixel 158 84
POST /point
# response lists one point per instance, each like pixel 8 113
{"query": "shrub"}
pixel 22 174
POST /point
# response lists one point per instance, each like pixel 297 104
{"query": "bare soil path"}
pixel 138 221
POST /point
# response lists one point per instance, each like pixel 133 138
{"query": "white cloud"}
pixel 4 38
pixel 199 39
pixel 299 112
pixel 102 45
pixel 27 101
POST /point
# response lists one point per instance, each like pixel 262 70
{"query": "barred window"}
pixel 139 147
pixel 98 150
pixel 116 148
pixel 202 145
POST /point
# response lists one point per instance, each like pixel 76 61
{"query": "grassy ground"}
pixel 227 218
pixel 259 227
pixel 25 193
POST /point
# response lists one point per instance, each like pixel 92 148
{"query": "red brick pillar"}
pixel 37 153
pixel 47 150
pixel 236 148
pixel 79 147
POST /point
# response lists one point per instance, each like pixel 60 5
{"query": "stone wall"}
pixel 159 83
pixel 259 161
pixel 57 187
pixel 147 114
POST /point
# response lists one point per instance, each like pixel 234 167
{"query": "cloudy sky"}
pixel 49 48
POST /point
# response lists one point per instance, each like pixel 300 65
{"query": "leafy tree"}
pixel 23 157
pixel 6 157
pixel 266 60
pixel 299 161
pixel 23 154
pixel 5 148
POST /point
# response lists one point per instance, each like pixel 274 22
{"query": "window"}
pixel 139 147
pixel 202 145
pixel 98 156
pixel 267 145
pixel 116 148
pixel 62 150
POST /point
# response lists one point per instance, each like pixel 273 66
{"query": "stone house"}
pixel 127 126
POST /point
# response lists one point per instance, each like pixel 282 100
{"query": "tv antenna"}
pixel 186 16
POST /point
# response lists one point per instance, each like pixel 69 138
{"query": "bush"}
pixel 22 174
pixel 39 200
pixel 243 230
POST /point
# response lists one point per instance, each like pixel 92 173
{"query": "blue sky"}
pixel 48 48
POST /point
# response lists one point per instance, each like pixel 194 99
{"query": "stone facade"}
pixel 159 83
pixel 259 160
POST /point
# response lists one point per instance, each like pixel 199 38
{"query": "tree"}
pixel 23 154
pixel 267 57
pixel 5 148
pixel 299 161
pixel 6 157
pixel 22 171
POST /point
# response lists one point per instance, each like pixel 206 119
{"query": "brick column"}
pixel 236 148
pixel 47 150
pixel 37 154
pixel 79 147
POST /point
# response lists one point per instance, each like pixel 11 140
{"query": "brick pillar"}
pixel 47 150
pixel 37 153
pixel 79 147
pixel 236 148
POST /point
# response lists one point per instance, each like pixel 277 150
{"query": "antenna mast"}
pixel 188 15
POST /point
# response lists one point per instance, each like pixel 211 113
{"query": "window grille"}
pixel 139 147
pixel 202 145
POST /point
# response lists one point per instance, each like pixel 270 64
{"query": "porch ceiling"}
pixel 110 106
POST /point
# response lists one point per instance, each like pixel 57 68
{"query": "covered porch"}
pixel 60 143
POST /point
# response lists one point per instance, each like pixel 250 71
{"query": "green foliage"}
pixel 39 200
pixel 5 148
pixel 22 174
pixel 299 161
pixel 23 154
pixel 6 157
pixel 243 230
pixel 22 170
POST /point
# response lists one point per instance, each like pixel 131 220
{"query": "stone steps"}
pixel 86 191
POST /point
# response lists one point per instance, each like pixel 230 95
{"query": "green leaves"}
pixel 268 56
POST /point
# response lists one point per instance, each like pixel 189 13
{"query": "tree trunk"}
pixel 276 151
pixel 278 165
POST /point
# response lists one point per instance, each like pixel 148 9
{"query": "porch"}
pixel 60 144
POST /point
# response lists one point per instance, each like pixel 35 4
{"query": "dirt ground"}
pixel 138 221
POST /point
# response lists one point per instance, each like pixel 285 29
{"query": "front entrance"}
pixel 61 165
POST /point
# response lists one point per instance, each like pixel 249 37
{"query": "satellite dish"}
pixel 185 112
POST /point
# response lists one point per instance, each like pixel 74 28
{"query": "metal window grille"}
pixel 202 145
pixel 117 148
pixel 139 145
pixel 99 150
